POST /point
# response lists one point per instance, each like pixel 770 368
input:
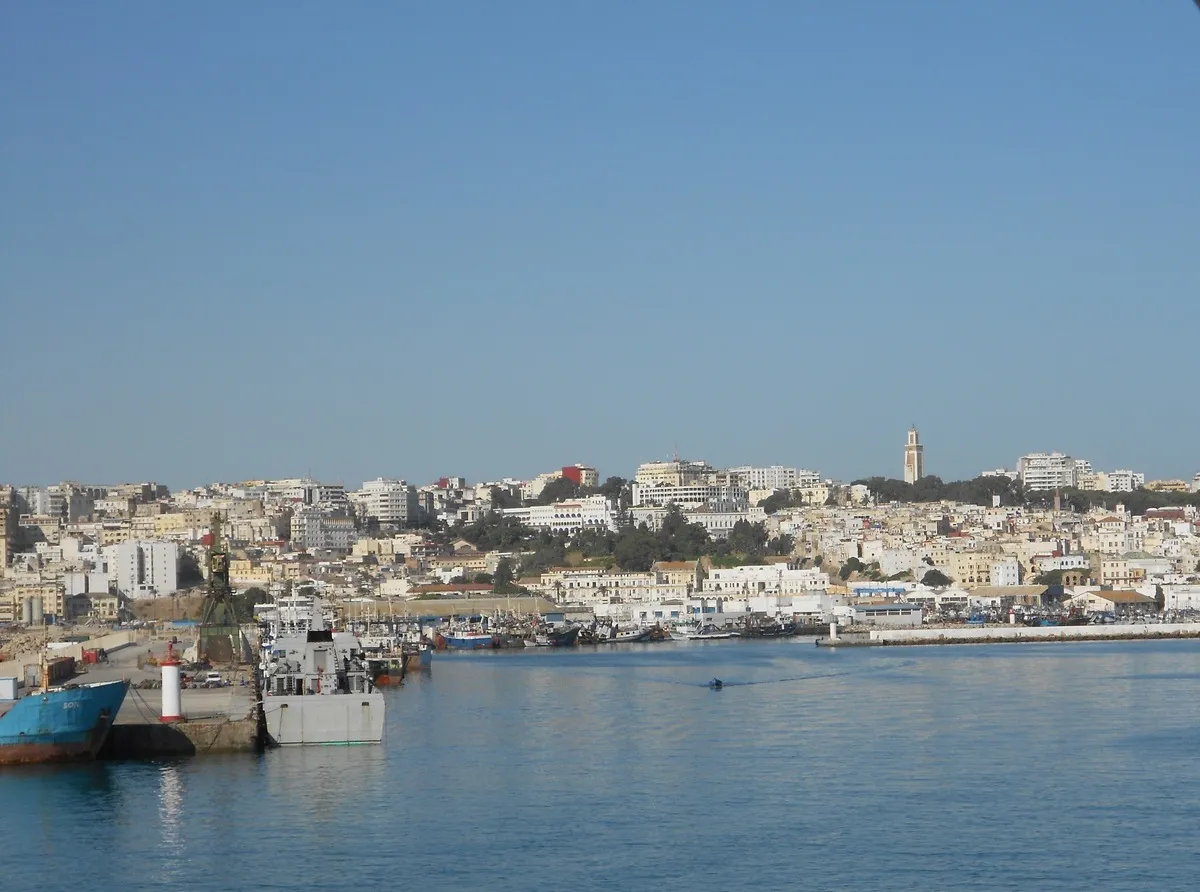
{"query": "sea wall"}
pixel 167 739
pixel 1001 634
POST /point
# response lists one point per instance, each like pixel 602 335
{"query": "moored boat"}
pixel 62 724
pixel 468 640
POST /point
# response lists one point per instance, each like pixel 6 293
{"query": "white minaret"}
pixel 914 457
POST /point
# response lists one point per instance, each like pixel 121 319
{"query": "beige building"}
pixel 970 568
pixel 672 473
pixel 685 573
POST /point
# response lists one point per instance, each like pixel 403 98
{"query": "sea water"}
pixel 1033 766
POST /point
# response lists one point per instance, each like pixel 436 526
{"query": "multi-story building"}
pixel 676 472
pixel 914 457
pixel 769 579
pixel 144 569
pixel 695 495
pixel 774 477
pixel 1196 483
pixel 388 501
pixel 1119 481
pixel 581 475
pixel 310 493
pixel 1006 571
pixel 313 529
pixel 571 516
pixel 1043 471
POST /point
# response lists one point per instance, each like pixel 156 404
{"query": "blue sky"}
pixel 494 238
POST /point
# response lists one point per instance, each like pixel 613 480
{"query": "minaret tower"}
pixel 914 457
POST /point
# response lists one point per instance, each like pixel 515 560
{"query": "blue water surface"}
pixel 1037 766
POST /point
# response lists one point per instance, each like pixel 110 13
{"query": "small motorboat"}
pixel 716 684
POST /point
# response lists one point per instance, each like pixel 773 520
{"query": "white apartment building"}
pixel 591 587
pixel 1195 487
pixel 672 473
pixel 569 516
pixel 144 569
pixel 774 477
pixel 1006 571
pixel 1042 471
pixel 330 496
pixel 764 579
pixel 720 524
pixel 312 529
pixel 387 500
pixel 696 495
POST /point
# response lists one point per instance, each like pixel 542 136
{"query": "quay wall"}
pixel 187 738
pixel 1001 634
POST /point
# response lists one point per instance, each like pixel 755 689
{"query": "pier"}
pixel 1007 634
pixel 213 720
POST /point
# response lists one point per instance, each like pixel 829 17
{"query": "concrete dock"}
pixel 1007 634
pixel 215 720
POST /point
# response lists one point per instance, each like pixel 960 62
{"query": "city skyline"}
pixel 769 235
pixel 912 447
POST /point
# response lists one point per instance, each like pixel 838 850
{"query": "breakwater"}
pixel 1003 634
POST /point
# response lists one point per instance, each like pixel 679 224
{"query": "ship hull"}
pixel 60 725
pixel 468 642
pixel 324 720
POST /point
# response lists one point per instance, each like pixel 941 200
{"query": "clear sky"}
pixel 480 238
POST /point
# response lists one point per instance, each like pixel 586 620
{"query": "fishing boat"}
pixel 468 640
pixel 713 633
pixel 629 636
pixel 57 724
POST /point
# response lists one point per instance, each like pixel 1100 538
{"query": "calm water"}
pixel 1003 767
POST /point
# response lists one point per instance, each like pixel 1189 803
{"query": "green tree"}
pixel 557 490
pixel 1160 599
pixel 748 538
pixel 935 579
pixel 502 582
pixel 782 545
pixel 503 497
pixel 636 549
pixel 1050 577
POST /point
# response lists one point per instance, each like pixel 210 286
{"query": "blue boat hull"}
pixel 474 642
pixel 60 725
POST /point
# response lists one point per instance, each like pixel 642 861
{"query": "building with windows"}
pixel 386 500
pixel 570 516
pixel 1043 471
pixel 1119 481
pixel 673 473
pixel 581 475
pixel 144 568
pixel 313 529
pixel 696 495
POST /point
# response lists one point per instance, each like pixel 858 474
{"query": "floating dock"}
pixel 1006 634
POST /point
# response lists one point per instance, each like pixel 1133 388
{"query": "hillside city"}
pixel 679 537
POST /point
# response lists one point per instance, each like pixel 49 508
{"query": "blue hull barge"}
pixel 65 724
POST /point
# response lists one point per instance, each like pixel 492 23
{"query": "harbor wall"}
pixel 1001 634
pixel 167 739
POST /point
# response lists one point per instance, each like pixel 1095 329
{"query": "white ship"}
pixel 317 686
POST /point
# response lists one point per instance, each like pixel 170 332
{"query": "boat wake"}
pixel 873 670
